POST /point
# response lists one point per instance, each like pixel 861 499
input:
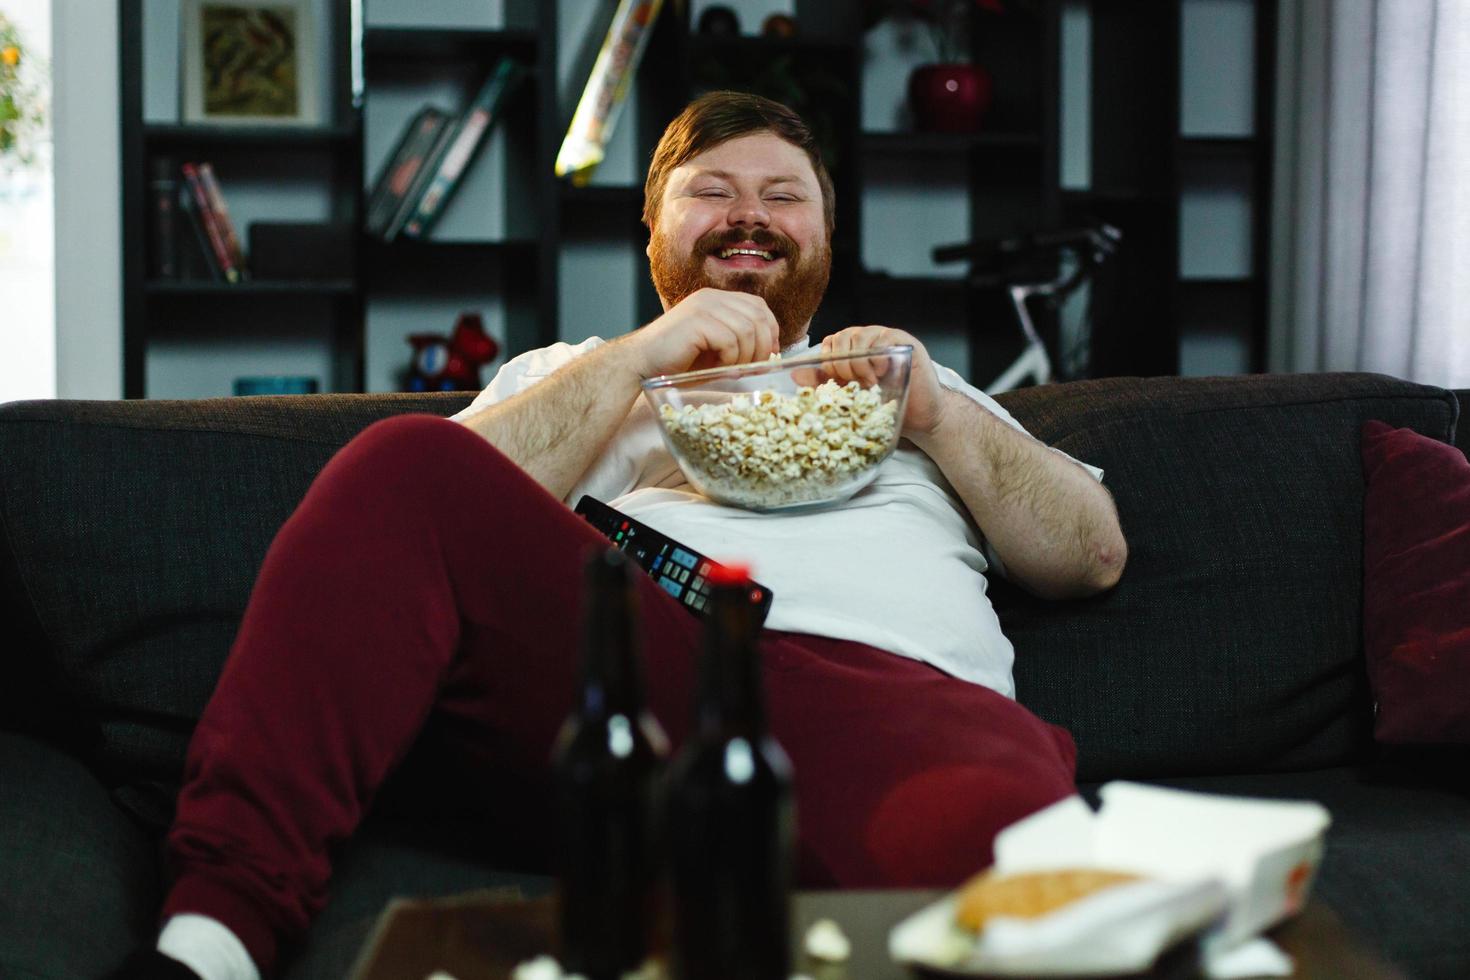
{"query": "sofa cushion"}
pixel 1233 642
pixel 134 531
pixel 81 886
pixel 1416 586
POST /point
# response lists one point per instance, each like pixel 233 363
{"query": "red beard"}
pixel 793 295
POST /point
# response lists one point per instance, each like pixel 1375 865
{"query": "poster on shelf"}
pixel 591 129
pixel 249 62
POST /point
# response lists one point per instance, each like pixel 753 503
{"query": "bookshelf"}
pixel 485 253
pixel 546 259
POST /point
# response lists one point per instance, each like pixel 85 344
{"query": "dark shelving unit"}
pixel 523 263
pixel 1140 167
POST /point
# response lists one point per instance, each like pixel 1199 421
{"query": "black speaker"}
pixel 302 250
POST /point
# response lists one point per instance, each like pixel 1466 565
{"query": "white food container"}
pixel 1236 865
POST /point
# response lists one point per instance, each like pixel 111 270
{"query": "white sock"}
pixel 208 947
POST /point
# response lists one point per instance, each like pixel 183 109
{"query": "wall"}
pixel 27 250
pixel 88 200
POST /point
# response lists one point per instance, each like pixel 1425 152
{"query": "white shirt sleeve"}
pixel 520 373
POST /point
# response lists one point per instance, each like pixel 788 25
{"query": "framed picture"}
pixel 250 62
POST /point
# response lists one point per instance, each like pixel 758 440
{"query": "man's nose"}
pixel 749 211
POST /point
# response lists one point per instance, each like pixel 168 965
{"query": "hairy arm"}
pixel 556 428
pixel 1053 525
pixel 1049 521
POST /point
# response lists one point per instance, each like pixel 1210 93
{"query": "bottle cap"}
pixel 732 574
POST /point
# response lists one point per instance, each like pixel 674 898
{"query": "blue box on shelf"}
pixel 276 385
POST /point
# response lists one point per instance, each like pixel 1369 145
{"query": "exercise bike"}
pixel 1049 267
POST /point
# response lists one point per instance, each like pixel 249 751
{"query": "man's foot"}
pixel 150 964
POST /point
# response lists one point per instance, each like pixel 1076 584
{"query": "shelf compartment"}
pixel 1206 289
pixel 328 138
pixel 913 142
pixel 761 46
pixel 203 289
pixel 1116 195
pixel 603 195
pixel 435 249
pixel 870 281
pixel 413 265
pixel 417 44
pixel 1216 147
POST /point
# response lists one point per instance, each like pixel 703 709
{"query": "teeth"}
pixel 726 253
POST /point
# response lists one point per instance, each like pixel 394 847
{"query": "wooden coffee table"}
pixel 485 934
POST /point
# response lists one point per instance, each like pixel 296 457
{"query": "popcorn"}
pixel 768 449
pixel 543 967
pixel 826 941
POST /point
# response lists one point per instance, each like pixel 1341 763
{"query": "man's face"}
pixel 752 194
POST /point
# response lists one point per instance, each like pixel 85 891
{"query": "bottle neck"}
pixel 731 696
pixel 612 680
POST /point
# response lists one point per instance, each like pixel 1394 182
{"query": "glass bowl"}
pixel 795 433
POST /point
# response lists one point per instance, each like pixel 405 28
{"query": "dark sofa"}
pixel 1229 658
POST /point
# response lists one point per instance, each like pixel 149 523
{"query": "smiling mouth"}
pixel 730 253
pixel 746 255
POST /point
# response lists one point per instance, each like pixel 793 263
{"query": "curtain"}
pixel 1371 230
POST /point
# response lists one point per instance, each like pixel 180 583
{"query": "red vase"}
pixel 949 98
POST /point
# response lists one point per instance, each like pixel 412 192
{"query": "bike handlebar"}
pixel 1090 243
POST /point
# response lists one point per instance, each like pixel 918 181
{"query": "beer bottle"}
pixel 607 758
pixel 729 813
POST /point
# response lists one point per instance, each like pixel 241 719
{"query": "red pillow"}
pixel 1416 585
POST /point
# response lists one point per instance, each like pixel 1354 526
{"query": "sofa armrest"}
pixel 79 885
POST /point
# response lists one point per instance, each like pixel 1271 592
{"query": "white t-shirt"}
pixel 898 566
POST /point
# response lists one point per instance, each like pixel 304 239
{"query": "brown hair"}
pixel 717 117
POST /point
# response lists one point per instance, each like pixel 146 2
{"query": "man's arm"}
pixel 1053 525
pixel 556 428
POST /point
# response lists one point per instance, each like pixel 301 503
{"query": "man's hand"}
pixel 708 328
pixel 925 405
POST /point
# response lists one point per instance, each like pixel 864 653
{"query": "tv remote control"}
pixel 678 569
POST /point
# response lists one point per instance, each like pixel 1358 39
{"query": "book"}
pixel 163 228
pixel 402 167
pixel 221 213
pixel 199 199
pixel 459 150
pixel 420 181
pixel 198 261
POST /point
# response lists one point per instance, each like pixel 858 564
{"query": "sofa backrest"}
pixel 1234 641
pixel 130 536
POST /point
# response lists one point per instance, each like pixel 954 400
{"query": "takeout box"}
pixel 1231 865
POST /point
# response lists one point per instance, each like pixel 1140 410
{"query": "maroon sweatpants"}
pixel 426 576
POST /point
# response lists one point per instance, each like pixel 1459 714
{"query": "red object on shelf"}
pixel 950 98
pixel 451 363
